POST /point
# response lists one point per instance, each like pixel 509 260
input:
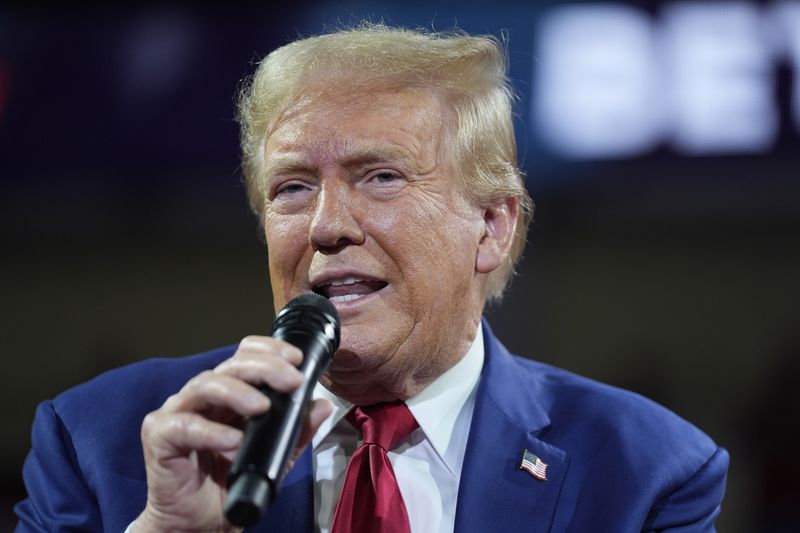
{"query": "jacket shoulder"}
pixel 104 415
pixel 136 385
pixel 628 453
pixel 599 424
pixel 608 410
pixel 85 470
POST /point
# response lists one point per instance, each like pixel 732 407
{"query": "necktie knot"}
pixel 370 499
pixel 383 424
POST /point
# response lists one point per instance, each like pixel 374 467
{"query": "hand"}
pixel 191 440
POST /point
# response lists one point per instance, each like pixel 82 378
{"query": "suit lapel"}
pixel 494 494
pixel 293 510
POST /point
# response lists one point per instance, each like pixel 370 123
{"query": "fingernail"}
pixel 291 377
pixel 258 402
pixel 290 353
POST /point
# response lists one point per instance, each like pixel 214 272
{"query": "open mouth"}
pixel 348 289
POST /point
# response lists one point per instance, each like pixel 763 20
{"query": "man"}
pixel 382 164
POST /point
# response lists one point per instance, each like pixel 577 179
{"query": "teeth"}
pixel 345 297
pixel 345 281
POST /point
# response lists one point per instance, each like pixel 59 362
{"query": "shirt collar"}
pixel 436 408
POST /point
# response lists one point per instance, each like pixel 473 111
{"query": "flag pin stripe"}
pixel 533 465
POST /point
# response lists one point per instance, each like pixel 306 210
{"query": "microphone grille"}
pixel 311 312
pixel 312 299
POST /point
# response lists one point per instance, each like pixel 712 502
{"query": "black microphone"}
pixel 311 323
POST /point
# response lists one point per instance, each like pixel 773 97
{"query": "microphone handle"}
pixel 271 437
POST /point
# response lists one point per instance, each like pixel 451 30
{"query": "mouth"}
pixel 347 289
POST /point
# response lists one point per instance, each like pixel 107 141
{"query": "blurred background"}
pixel 661 142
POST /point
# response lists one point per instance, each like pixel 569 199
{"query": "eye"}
pixel 385 176
pixel 291 187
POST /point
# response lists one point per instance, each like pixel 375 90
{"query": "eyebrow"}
pixel 286 163
pixel 369 155
pixel 289 162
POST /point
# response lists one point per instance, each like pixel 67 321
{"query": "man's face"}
pixel 364 207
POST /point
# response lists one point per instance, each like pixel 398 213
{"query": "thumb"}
pixel 318 411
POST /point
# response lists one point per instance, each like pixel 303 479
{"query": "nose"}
pixel 333 225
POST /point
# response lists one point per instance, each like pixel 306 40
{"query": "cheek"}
pixel 287 243
pixel 433 248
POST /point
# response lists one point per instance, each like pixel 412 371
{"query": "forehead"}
pixel 342 121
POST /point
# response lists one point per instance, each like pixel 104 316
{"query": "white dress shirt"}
pixel 427 464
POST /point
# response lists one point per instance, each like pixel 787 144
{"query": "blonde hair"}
pixel 469 71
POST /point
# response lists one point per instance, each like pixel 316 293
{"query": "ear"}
pixel 499 228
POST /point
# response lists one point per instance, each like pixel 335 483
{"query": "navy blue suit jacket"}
pixel 617 462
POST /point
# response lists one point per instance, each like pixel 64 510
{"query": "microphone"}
pixel 311 323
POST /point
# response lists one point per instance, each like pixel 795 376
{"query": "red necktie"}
pixel 370 501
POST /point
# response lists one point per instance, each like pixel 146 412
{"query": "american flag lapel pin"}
pixel 533 465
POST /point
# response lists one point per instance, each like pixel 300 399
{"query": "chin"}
pixel 359 363
pixel 346 361
pixel 363 346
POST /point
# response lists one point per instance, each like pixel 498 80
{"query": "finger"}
pixel 177 433
pixel 262 368
pixel 230 455
pixel 209 389
pixel 318 411
pixel 261 345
